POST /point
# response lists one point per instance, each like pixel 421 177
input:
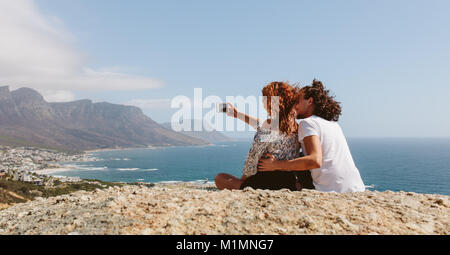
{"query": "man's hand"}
pixel 268 163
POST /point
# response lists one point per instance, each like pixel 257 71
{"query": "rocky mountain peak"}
pixel 4 92
pixel 8 108
pixel 31 104
pixel 27 94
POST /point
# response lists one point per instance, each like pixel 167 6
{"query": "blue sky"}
pixel 388 62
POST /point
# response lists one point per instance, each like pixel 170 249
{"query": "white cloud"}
pixel 58 95
pixel 165 103
pixel 36 51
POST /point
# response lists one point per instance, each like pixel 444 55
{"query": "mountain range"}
pixel 26 119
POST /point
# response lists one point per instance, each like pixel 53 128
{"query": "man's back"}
pixel 338 172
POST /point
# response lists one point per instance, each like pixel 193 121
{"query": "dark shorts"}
pixel 276 180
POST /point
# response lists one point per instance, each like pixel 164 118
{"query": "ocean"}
pixel 409 164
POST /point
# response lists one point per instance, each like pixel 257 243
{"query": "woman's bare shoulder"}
pixel 266 124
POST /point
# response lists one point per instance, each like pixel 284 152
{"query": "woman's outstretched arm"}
pixel 233 112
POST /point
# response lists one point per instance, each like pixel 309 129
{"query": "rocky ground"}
pixel 192 209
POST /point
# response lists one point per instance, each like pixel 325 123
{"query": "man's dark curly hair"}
pixel 325 105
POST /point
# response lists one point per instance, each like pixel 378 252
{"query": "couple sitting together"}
pixel 275 161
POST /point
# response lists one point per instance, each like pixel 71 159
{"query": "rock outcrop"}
pixel 192 209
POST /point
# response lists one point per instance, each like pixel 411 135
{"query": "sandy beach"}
pixel 51 171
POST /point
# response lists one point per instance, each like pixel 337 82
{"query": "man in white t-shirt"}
pixel 327 154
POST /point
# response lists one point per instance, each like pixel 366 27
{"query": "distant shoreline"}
pixel 50 171
pixel 128 148
pixel 118 149
pixel 149 147
pixel 63 168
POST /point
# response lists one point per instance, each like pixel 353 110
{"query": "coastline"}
pixel 119 149
pixel 50 171
pixel 149 147
pixel 54 171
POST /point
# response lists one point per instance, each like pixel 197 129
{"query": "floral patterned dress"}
pixel 283 147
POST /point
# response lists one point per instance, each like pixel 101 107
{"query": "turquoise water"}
pixel 415 165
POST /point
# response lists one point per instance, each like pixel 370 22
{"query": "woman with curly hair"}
pixel 277 136
pixel 323 143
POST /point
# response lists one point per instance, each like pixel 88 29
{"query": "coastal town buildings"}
pixel 23 164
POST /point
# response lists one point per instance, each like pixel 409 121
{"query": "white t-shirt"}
pixel 338 172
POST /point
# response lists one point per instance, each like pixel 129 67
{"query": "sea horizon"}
pixel 251 138
pixel 403 164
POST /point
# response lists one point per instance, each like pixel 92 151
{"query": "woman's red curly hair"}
pixel 287 96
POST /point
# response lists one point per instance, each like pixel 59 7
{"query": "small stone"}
pixel 70 227
pixel 21 214
pixel 146 231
